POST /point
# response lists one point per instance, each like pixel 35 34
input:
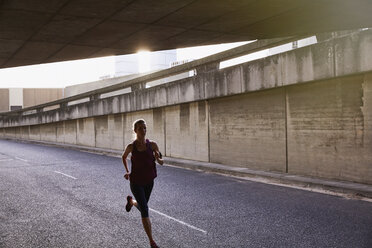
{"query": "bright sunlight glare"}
pixel 62 74
pixel 57 75
pixel 144 61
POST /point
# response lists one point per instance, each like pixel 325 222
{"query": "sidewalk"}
pixel 353 190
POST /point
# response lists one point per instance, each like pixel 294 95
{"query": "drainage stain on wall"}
pixel 185 117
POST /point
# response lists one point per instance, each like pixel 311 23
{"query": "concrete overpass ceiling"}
pixel 35 31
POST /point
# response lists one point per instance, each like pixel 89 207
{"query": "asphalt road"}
pixel 55 197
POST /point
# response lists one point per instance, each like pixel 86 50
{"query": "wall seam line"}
pixel 209 139
pixel 286 128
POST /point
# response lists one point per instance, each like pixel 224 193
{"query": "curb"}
pixel 354 190
pixel 314 184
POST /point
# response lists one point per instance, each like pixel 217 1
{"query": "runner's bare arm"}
pixel 155 148
pixel 124 159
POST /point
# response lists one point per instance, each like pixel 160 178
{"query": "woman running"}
pixel 142 175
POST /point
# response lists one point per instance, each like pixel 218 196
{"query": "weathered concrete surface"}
pixel 112 131
pixel 70 129
pixel 86 132
pixel 25 132
pixel 17 132
pixel 187 131
pixel 329 129
pixel 115 127
pixel 35 132
pixel 102 131
pixel 249 130
pixel 48 132
pixel 353 53
pixel 60 131
pixel 315 62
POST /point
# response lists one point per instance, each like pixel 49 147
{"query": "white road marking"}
pixel 65 175
pixel 7 159
pixel 179 221
pixel 24 160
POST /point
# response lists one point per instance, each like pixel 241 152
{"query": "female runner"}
pixel 142 175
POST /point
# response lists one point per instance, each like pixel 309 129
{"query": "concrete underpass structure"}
pixel 35 32
pixel 306 112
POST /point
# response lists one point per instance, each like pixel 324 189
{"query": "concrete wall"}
pixel 321 129
pixel 301 112
pixel 329 129
pixel 249 130
pixel 86 132
pixel 101 130
pixel 25 132
pixel 109 131
pixel 35 132
pixel 186 128
pixel 60 130
pixel 48 132
pixel 70 131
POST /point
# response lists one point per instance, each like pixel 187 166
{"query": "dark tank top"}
pixel 143 165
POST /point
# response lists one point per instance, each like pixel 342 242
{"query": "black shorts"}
pixel 142 195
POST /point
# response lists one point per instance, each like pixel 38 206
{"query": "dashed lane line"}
pixel 65 175
pixel 179 221
pixel 18 158
pixel 6 159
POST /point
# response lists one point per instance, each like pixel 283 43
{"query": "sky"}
pixel 57 75
pixel 62 74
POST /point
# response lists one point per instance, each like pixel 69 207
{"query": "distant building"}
pixel 144 62
pixel 128 67
pixel 17 98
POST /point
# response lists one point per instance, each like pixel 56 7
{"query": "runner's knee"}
pixel 144 211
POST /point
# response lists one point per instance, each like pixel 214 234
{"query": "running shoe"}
pixel 128 207
pixel 153 244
